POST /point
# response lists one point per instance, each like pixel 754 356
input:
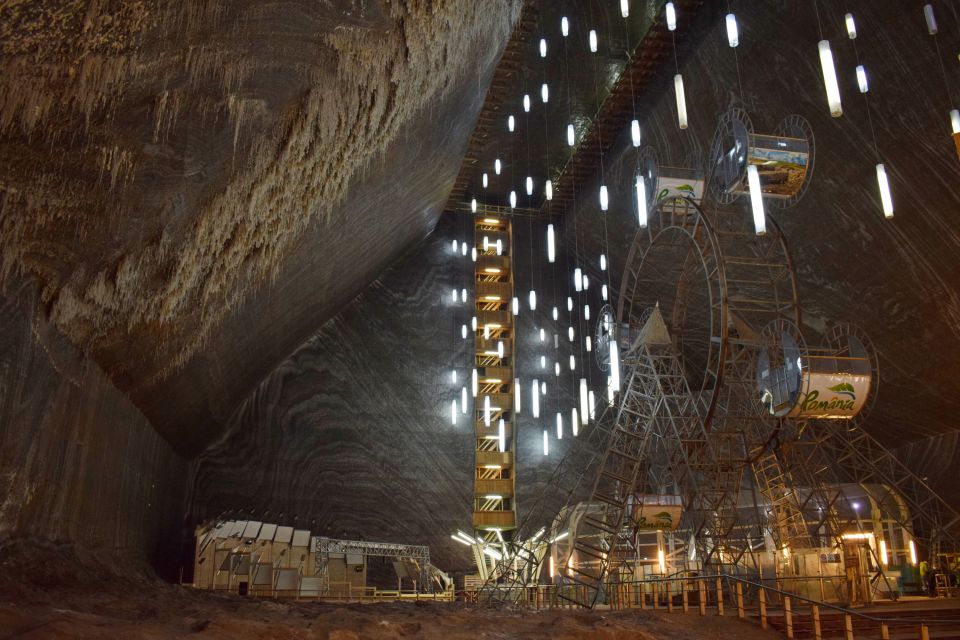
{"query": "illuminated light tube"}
pixel 551 247
pixel 586 310
pixel 543 388
pixel 486 180
pixel 614 365
pixel 493 553
pixel 463 400
pixel 830 78
pixel 486 332
pixel 681 101
pixel 885 198
pixel 453 376
pixel 502 436
pixel 453 412
pixel 463 248
pixel 583 401
pixel 593 41
pixel 463 331
pixel 592 404
pixel 635 132
pixel 529 186
pixel 513 199
pixel 862 79
pixel 578 279
pixel 455 246
pixel 671 12
pixel 604 198
pixel 641 202
pixel 473 205
pixel 543 362
pixel 515 305
pixel 499 246
pixel 913 552
pixel 564 26
pixel 625 8
pixel 733 34
pixel 571 136
pixel 543 335
pixel 851 26
pixel 548 187
pixel 510 124
pixel 543 48
pixel 454 295
pixel 526 102
pixel 517 393
pixel 463 295
pixel 603 262
pixel 474 383
pixel 533 300
pixel 569 303
pixel 497 166
pixel 546 444
pixel 556 341
pixel 559 426
pixel 473 322
pixel 570 333
pixel 574 422
pixel 930 18
pixel 955 120
pixel 556 369
pixel 486 411
pixel 473 253
pixel 544 93
pixel 756 200
pixel 556 314
pixel 603 292
pixel 535 398
pixel 486 243
pixel 585 282
pixel 462 541
pixel 500 349
pixel 573 362
pixel 589 344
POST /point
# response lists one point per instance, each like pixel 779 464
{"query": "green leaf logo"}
pixel 663 515
pixel 844 388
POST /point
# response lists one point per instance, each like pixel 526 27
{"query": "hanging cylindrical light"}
pixel 543 48
pixel 603 262
pixel 526 102
pixel 517 394
pixel 862 79
pixel 533 300
pixel 589 343
pixel 756 200
pixel 573 362
pixel 551 249
pixel 463 399
pixel 502 435
pixel 830 78
pixel 463 248
pixel 851 26
pixel 556 368
pixel 586 310
pixel 593 41
pixel 583 400
pixel 529 185
pixel 604 198
pixel 955 120
pixel 513 199
pixel 535 398
pixel 473 253
pixel 635 132
pixel 931 19
pixel 511 124
pixel 453 412
pixel 733 34
pixel 548 188
pixel 555 313
pixel 543 335
pixel 671 13
pixel 543 362
pixel 574 422
pixel 473 323
pixel 486 332
pixel 499 246
pixel 454 295
pixel 625 8
pixel 474 383
pixel 681 101
pixel 614 365
pixel 559 426
pixel 544 93
pixel 585 282
pixel 500 349
pixel 546 443
pixel 473 205
pixel 497 166
pixel 463 331
pixel 592 403
pixel 569 303
pixel 486 181
pixel 641 202
pixel 515 305
pixel 455 246
pixel 578 279
pixel 885 198
pixel 571 138
pixel 603 292
pixel 570 334
pixel 486 411
pixel 486 243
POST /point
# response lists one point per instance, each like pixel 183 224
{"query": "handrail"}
pixel 728 577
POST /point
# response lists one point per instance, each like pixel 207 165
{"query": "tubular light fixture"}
pixel 551 249
pixel 473 253
pixel 511 123
pixel 589 342
pixel 603 262
pixel 543 387
pixel 641 202
pixel 635 132
pixel 585 283
pixel 486 411
pixel 733 34
pixel 502 435
pixel 473 205
pixel 548 188
pixel 529 186
pixel 574 422
pixel 496 166
pixel 862 79
pixel 930 18
pixel 913 552
pixel 486 242
pixel 463 400
pixel 586 311
pixel 671 12
pixel 543 362
pixel 756 200
pixel 569 303
pixel 499 246
pixel 513 199
pixel 603 292
pixel 463 331
pixel 851 26
pixel 570 334
pixel 543 335
pixel 474 383
pixel 463 295
pixel 555 314
pixel 517 393
pixel 604 198
pixel 564 26
pixel 500 349
pixel 885 198
pixel 559 426
pixel 681 100
pixel 473 323
pixel 533 300
pixel 456 246
pixel 453 412
pixel 955 120
pixel 592 402
pixel 515 306
pixel 462 541
pixel 614 365
pixel 556 368
pixel 463 248
pixel 578 279
pixel 486 332
pixel 546 444
pixel 830 78
pixel 543 48
pixel 526 102
pixel 556 341
pixel 544 93
pixel 486 180
pixel 535 398
pixel 625 8
pixel 454 296
pixel 584 399
pixel 573 362
pixel 593 41
pixel 571 139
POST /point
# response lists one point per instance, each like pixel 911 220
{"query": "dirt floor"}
pixel 61 599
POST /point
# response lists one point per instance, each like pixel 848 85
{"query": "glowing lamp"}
pixel 851 26
pixel 586 309
pixel 463 331
pixel 526 102
pixel 603 292
pixel 516 395
pixel 502 435
pixel 529 186
pixel 513 199
pixel 463 400
pixel 756 200
pixel 671 12
pixel 453 412
pixel 625 8
pixel 589 342
pixel 564 26
pixel 641 202
pixel 681 101
pixel 497 166
pixel 574 422
pixel 578 279
pixel 473 205
pixel 546 444
pixel 463 295
pixel 486 411
pixel 515 306
pixel 454 295
pixel 533 300
pixel 955 120
pixel 535 398
pixel 511 123
pixel 486 180
pixel 733 34
pixel 862 79
pixel 555 313
pixel 559 426
pixel 592 403
pixel 931 19
pixel 885 198
pixel 573 362
pixel 593 41
pixel 604 198
pixel 556 368
pixel 570 333
pixel 548 187
pixel 500 349
pixel 635 132
pixel 544 93
pixel 551 249
pixel 571 138
pixel 463 248
pixel 830 78
pixel 569 303
pixel 543 48
pixel 474 383
pixel 614 365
